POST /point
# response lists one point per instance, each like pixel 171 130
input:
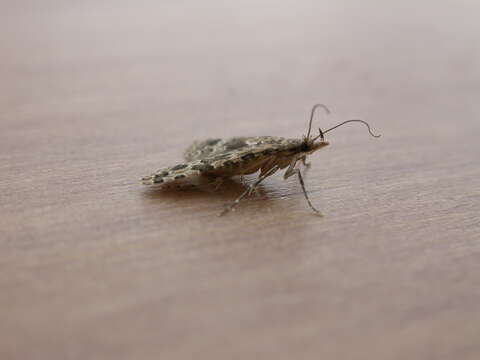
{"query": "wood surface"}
pixel 96 94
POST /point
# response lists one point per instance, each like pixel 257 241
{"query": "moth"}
pixel 219 159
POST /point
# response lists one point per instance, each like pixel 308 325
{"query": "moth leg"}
pixel 217 183
pixel 264 170
pixel 304 162
pixel 251 188
pixel 292 171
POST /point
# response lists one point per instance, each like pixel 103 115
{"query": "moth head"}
pixel 309 144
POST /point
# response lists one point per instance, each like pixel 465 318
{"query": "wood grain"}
pixel 95 94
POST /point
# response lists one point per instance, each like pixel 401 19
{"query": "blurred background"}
pixel 223 57
pixel 95 94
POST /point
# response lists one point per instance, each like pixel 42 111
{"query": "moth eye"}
pixel 304 147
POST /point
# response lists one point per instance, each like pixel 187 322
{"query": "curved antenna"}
pixel 348 121
pixel 311 116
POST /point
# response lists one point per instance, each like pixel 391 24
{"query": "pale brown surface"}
pixel 96 94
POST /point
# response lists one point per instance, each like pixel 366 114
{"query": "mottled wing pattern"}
pixel 225 158
pixel 181 173
pixel 202 149
pixel 210 147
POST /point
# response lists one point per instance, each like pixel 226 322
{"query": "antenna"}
pixel 311 116
pixel 348 121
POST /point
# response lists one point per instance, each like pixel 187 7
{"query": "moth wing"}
pixel 219 157
pixel 244 155
pixel 207 148
pixel 181 173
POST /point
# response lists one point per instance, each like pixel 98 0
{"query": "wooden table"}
pixel 95 94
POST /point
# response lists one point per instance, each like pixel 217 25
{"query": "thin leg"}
pixel 304 161
pixel 251 188
pixel 305 192
pixel 218 183
pixel 292 171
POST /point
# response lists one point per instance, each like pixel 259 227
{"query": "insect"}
pixel 220 159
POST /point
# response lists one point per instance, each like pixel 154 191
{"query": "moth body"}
pixel 233 157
